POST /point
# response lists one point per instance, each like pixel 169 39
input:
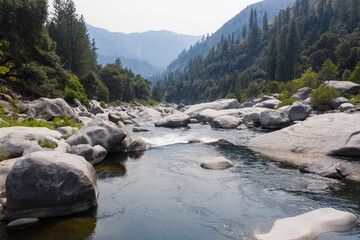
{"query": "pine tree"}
pixel 281 66
pixel 244 32
pixel 265 24
pixel 293 47
pixel 271 59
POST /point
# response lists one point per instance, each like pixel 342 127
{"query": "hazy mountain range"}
pixel 146 53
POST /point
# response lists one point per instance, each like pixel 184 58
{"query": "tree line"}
pixel 53 56
pixel 311 39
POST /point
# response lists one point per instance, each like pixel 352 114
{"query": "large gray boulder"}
pixel 50 184
pixel 220 104
pixel 98 132
pixel 302 93
pixel 18 141
pixel 92 154
pixel 344 86
pixel 299 111
pixel 176 120
pixel 125 143
pixel 48 109
pixel 331 134
pixel 273 119
pixel 311 225
pixel 227 122
pixel 115 117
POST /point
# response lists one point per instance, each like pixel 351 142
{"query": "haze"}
pixel 181 16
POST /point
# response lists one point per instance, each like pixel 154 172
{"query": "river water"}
pixel 165 194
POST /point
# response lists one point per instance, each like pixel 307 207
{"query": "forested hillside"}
pixel 53 56
pixel 237 28
pixel 304 45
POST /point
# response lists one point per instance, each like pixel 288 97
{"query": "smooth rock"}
pixel 67 131
pixel 195 141
pixel 336 102
pixel 346 106
pixel 318 186
pixel 137 146
pixel 98 132
pixel 218 163
pixel 48 109
pixel 299 111
pixel 273 119
pixel 311 225
pixel 247 105
pixel 140 129
pixel 92 154
pixel 330 134
pixel 302 93
pixel 22 222
pixel 124 144
pixel 270 104
pixel 227 122
pixel 50 184
pixel 3 202
pixel 344 86
pixel 323 169
pixel 252 116
pixel 220 104
pixel 115 117
pixel 176 120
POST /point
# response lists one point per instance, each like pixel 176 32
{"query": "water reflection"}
pixel 113 166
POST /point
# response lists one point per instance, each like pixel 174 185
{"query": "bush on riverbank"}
pixel 321 97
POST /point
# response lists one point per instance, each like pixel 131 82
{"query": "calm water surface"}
pixel 165 194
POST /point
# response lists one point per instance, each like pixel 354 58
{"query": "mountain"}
pixel 306 44
pixel 157 48
pixel 234 25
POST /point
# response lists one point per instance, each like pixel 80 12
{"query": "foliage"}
pixel 74 89
pixel 47 144
pixel 321 97
pixel 102 104
pixel 4 155
pixel 62 122
pixel 355 76
pixel 328 71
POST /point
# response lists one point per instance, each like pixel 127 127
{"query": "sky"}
pixel 191 17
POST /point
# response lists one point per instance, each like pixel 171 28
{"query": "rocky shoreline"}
pixel 37 181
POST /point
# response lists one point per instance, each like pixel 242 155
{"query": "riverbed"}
pixel 163 193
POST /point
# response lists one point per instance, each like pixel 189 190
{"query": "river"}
pixel 165 194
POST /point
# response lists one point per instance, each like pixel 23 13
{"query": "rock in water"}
pixel 218 163
pixel 138 145
pixel 227 122
pixel 50 184
pixel 22 222
pixel 176 120
pixel 98 132
pixel 92 154
pixel 48 109
pixel 311 225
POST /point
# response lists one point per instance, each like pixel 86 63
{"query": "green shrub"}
pixel 288 101
pixel 102 104
pixel 4 155
pixel 321 97
pixel 61 122
pixel 47 144
pixel 74 89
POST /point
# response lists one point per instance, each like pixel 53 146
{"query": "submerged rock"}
pixel 50 184
pixel 218 163
pixel 22 222
pixel 176 120
pixel 310 225
pixel 323 169
pixel 319 186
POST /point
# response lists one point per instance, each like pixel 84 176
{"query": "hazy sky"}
pixel 194 17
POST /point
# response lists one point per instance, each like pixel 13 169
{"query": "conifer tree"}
pixel 293 47
pixel 271 59
pixel 281 66
pixel 265 24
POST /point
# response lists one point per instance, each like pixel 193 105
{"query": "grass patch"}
pixel 47 144
pixel 62 122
